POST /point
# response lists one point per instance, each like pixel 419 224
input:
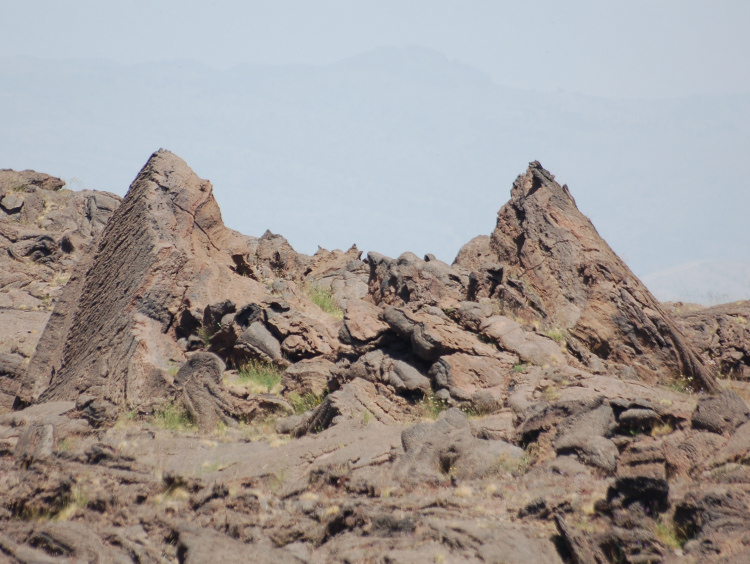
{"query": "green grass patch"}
pixel 557 335
pixel 520 367
pixel 205 335
pixel 519 466
pixel 668 533
pixel 173 417
pixel 432 406
pixel 323 298
pixel 306 402
pixel 263 375
pixel 681 384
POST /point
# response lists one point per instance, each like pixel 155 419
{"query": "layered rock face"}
pixel 721 335
pixel 44 231
pixel 112 335
pixel 201 395
pixel 573 281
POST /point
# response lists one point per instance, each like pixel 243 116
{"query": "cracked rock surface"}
pixel 200 395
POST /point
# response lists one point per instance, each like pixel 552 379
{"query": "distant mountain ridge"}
pixel 395 149
pixel 707 282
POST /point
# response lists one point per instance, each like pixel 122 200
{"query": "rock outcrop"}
pixel 165 250
pixel 572 281
pixel 45 230
pixel 721 334
pixel 199 394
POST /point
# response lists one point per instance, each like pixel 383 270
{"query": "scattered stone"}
pixel 462 407
pixel 12 203
pixel 310 376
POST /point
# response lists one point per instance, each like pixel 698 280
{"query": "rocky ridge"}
pixel 198 394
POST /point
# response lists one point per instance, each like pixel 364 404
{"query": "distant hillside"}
pixel 395 150
pixel 707 282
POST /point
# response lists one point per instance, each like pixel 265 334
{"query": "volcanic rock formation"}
pixel 200 395
pixel 44 232
pixel 165 250
pixel 570 279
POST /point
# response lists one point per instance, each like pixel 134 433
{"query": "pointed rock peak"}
pixel 164 251
pixel 535 178
pixel 557 265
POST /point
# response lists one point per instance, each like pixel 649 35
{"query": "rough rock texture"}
pixel 44 232
pixel 112 332
pixel 720 333
pixel 202 395
pixel 576 283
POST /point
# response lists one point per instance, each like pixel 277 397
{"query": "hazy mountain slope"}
pixel 394 149
pixel 708 282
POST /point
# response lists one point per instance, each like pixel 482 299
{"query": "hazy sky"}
pixel 633 48
pixel 401 125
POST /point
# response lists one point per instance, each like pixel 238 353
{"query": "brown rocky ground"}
pixel 198 395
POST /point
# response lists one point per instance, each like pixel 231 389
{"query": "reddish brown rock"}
pixel 309 376
pixel 720 333
pixel 164 251
pixel 474 254
pixel 27 180
pixel 411 279
pixel 361 321
pixel 575 282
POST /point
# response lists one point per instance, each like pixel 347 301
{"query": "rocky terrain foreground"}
pixel 174 391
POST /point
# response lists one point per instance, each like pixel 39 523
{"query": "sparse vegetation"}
pixel 75 501
pixel 264 429
pixel 126 418
pixel 205 335
pixel 173 417
pixel 323 298
pixel 661 429
pixel 518 466
pixel 263 375
pixel 306 402
pixel 432 406
pixel 557 335
pixel 551 393
pixel 669 534
pixel 680 384
pixel 520 367
pixel 60 279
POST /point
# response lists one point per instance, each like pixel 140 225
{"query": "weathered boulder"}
pixel 465 376
pixel 12 203
pixel 361 322
pixel 199 381
pixel 432 334
pixel 256 340
pixel 411 279
pixel 308 376
pixel 358 400
pixel 11 370
pixel 721 413
pixel 447 448
pixel 585 434
pixel 574 282
pixel 712 514
pixel 27 180
pixel 165 250
pixel 475 253
pixel 720 333
pixel 530 347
